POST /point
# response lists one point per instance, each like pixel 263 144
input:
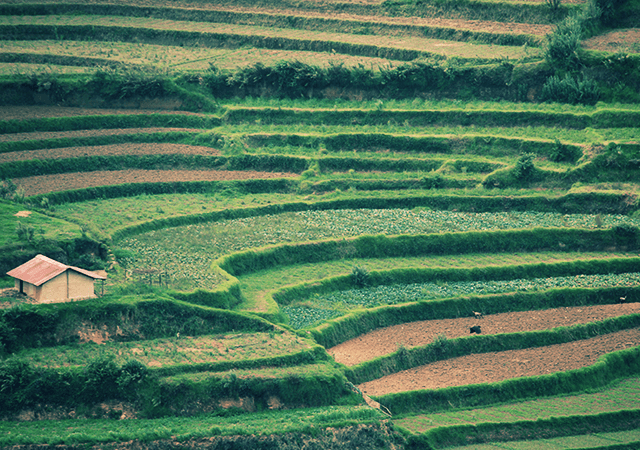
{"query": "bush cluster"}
pixel 323 386
pixel 293 79
pixel 142 310
pixel 24 385
pixel 570 89
pixel 562 47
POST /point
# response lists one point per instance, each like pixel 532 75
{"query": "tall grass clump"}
pixel 561 47
pixel 359 276
pixel 570 89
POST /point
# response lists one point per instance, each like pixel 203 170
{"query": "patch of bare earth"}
pixel 44 184
pixel 498 366
pixel 470 25
pixel 387 340
pixel 627 40
pixel 109 150
pixel 489 367
pixel 41 135
pixel 61 182
pixel 40 112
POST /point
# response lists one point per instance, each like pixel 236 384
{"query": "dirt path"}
pixel 498 366
pixel 66 181
pixel 386 340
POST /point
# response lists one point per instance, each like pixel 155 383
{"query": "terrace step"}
pixel 168 32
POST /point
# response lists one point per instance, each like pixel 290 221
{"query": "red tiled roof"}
pixel 41 269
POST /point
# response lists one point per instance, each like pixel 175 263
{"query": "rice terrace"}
pixel 320 224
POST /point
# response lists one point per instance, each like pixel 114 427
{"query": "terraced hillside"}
pixel 334 224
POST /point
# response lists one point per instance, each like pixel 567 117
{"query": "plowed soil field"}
pixel 489 367
pixel 68 181
pixel 109 150
pixel 61 182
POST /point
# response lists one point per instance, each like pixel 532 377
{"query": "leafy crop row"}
pixel 186 252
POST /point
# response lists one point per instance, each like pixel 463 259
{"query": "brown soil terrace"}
pixel 499 366
pixel 67 181
pixel 109 150
pixel 61 182
pixel 489 367
pixel 41 135
pixel 471 25
pixel 387 340
pixel 40 112
pixel 618 40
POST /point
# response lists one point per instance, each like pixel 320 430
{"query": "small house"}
pixel 47 280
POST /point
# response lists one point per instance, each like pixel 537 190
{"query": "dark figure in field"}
pixel 474 329
pixel 622 299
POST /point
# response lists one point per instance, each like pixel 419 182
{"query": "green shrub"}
pixel 131 377
pixel 571 90
pixel 564 153
pixel 359 276
pixel 554 4
pixel 89 261
pixel 608 10
pixel 25 232
pixel 524 168
pixel 15 376
pixel 627 236
pixel 561 47
pixel 51 386
pixel 128 82
pixel 412 76
pixel 7 189
pixel 101 379
pixel 295 79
